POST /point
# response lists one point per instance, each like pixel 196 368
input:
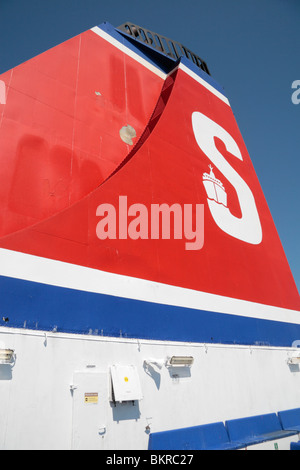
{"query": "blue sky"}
pixel 252 48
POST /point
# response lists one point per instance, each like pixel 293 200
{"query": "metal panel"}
pixel 125 383
pixel 90 404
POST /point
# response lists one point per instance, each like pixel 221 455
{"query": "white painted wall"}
pixel 38 410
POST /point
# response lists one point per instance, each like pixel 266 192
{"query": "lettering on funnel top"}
pixel 248 227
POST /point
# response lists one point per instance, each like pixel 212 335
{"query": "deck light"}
pixel 6 356
pixel 181 361
pixel 295 359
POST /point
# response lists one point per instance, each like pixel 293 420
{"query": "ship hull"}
pixel 54 372
pixel 94 312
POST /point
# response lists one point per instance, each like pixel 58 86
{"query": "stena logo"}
pixel 248 227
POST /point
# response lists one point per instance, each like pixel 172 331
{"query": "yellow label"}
pixel 126 379
pixel 91 397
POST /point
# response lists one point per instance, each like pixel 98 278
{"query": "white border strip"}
pixel 58 273
pixel 204 83
pixel 154 69
pixel 128 51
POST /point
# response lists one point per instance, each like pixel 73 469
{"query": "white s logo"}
pixel 248 227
